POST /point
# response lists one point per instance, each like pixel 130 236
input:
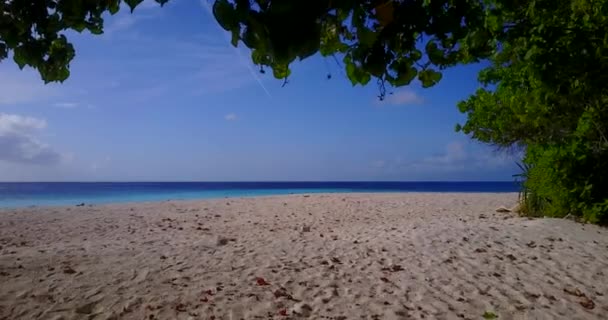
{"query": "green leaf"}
pixel 375 63
pixel 20 57
pixel 356 74
pixel 363 77
pixel 257 56
pixel 225 14
pixel 281 71
pixel 113 6
pixel 79 26
pixel 243 7
pixel 133 3
pixel 234 40
pixel 249 38
pixel 493 22
pixel 342 14
pixel 405 78
pixel 310 43
pixel 366 36
pixel 489 315
pixel 95 30
pixel 429 77
pixel 530 53
pixel 350 71
pixel 415 55
pixel 434 53
pixel 358 18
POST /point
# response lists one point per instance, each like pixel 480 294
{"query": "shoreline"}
pixel 333 256
pixel 263 196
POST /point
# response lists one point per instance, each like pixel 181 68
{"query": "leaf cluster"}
pixel 34 31
pixel 392 41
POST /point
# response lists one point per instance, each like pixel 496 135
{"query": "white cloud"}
pixel 458 157
pixel 66 105
pixel 230 117
pixel 455 153
pixel 18 144
pixel 17 123
pixel 402 97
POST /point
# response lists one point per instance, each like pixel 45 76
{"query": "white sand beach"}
pixel 326 256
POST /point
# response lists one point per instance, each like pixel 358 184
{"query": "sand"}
pixel 330 256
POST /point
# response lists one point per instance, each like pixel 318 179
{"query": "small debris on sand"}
pixel 380 256
pixel 222 241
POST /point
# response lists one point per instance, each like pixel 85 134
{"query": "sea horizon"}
pixel 55 193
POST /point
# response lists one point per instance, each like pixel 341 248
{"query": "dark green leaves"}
pixel 546 95
pixel 415 55
pixel 3 51
pixel 34 31
pixel 21 56
pixel 133 3
pixel 234 39
pixel 113 6
pixel 405 77
pixel 355 73
pixel 281 71
pixel 374 37
pixel 225 14
pixel 366 36
pixel 434 53
pixel 259 57
pixel 52 61
pixel 429 77
pixel 383 45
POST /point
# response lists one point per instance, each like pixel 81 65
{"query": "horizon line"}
pixel 259 181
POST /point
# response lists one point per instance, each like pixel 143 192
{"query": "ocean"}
pixel 24 194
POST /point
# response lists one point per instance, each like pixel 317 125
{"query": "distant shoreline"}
pixel 19 195
pixel 271 181
pixel 268 196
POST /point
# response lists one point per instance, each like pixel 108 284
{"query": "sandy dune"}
pixel 340 256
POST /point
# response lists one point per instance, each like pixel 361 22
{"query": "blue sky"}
pixel 163 96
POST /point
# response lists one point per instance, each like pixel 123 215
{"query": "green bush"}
pixel 546 92
pixel 569 178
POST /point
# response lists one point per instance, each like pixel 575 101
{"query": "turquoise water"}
pixel 52 200
pixel 14 195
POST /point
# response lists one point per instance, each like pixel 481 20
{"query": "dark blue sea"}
pixel 24 194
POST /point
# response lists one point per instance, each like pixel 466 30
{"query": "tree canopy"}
pixel 547 92
pixel 391 41
pixel 33 31
pixel 544 90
